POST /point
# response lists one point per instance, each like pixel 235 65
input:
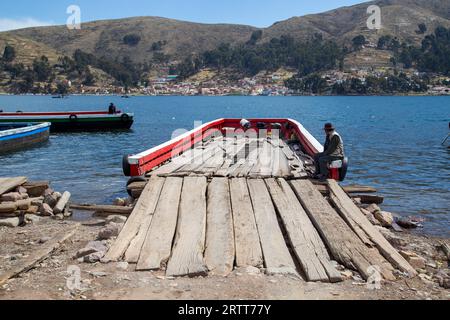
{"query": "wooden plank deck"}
pixel 240 157
pixel 245 202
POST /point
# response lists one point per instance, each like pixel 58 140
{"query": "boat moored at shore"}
pixel 73 121
pixel 249 155
pixel 17 136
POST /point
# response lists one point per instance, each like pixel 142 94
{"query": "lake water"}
pixel 394 143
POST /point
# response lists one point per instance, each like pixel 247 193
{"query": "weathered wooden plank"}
pixel 220 248
pixel 8 184
pixel 248 247
pixel 306 243
pixel 348 189
pixel 280 165
pixel 276 254
pixel 144 208
pixel 200 157
pixel 177 162
pixel 187 253
pixel 230 160
pixel 359 189
pixel 157 246
pixel 251 160
pixel 263 168
pixel 343 243
pixel 102 208
pixel 39 254
pixel 353 216
pixel 295 164
pixel 214 163
pixel 62 203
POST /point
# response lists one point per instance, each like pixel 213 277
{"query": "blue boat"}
pixel 17 136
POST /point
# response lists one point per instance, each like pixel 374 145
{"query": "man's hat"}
pixel 329 127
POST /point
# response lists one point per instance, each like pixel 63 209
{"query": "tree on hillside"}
pixel 89 79
pixel 132 40
pixel 42 69
pixel 62 88
pixel 384 42
pixel 9 54
pixel 422 28
pixel 67 64
pixel 157 46
pixel 359 42
pixel 256 36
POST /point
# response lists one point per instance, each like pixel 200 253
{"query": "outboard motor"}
pixel 343 170
pixel 246 124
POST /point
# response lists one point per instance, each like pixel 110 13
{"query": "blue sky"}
pixel 260 13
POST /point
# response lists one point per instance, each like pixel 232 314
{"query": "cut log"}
pixel 276 254
pixel 348 189
pixel 220 248
pixel 62 203
pixel 39 254
pixel 248 247
pixel 8 207
pixel 359 189
pixel 309 249
pixel 354 217
pixel 144 208
pixel 369 199
pixel 103 209
pixel 135 189
pixel 187 253
pixel 8 184
pixel 36 188
pixel 343 243
pixel 158 242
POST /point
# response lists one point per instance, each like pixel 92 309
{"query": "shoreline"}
pixel 233 95
pixel 119 280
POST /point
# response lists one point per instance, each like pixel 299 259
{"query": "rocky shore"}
pixel 56 257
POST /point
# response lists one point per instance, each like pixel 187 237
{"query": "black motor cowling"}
pixel 343 170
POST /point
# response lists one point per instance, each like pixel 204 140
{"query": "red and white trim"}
pixel 145 161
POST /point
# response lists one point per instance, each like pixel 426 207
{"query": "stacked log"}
pixel 21 201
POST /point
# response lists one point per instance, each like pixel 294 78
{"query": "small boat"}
pixel 73 121
pixel 61 96
pixel 251 148
pixel 16 136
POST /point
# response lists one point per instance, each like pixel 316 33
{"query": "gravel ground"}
pixel 52 278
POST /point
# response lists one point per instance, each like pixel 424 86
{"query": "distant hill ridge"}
pixel 143 38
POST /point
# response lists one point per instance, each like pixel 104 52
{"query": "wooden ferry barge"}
pixel 18 136
pixel 237 193
pixel 73 121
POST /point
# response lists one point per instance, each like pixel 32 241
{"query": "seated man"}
pixel 333 150
pixel 112 109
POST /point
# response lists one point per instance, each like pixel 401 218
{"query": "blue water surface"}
pixel 394 143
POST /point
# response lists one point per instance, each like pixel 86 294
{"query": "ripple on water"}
pixel 393 143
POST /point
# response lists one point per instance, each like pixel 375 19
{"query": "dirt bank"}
pixel 52 278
